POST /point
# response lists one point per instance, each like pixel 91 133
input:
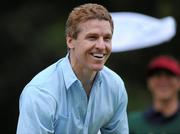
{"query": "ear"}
pixel 178 83
pixel 69 42
pixel 148 83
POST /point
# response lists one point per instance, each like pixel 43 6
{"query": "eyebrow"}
pixel 95 34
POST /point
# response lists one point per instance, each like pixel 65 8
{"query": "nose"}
pixel 163 77
pixel 101 44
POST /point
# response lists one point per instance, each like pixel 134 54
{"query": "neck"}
pixel 85 76
pixel 167 107
pixel 86 79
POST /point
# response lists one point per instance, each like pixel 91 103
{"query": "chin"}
pixel 164 97
pixel 97 68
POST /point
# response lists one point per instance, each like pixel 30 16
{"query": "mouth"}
pixel 98 55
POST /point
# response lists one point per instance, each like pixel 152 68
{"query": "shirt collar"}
pixel 68 74
pixel 98 77
pixel 156 117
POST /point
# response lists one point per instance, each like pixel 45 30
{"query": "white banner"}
pixel 134 31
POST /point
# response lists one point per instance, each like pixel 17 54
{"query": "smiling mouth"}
pixel 97 55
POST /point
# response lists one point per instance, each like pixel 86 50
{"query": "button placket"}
pixel 89 106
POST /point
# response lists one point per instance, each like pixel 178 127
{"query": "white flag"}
pixel 134 31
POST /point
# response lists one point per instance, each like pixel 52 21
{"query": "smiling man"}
pixel 78 94
pixel 163 116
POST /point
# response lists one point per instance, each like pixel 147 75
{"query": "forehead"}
pixel 95 25
pixel 160 71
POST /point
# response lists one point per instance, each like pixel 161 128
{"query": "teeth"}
pixel 98 55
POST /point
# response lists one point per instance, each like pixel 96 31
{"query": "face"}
pixel 92 47
pixel 164 86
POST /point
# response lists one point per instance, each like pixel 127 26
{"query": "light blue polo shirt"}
pixel 55 102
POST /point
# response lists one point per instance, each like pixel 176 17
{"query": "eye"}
pixel 92 37
pixel 107 38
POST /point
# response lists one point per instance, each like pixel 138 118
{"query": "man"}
pixel 78 94
pixel 163 117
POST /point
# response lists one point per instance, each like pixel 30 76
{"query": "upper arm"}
pixel 37 110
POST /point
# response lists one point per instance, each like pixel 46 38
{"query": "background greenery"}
pixel 32 37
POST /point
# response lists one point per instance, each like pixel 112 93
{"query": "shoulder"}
pixel 34 95
pixel 114 85
pixel 111 76
pixel 42 82
pixel 40 89
pixel 46 74
pixel 136 121
pixel 133 116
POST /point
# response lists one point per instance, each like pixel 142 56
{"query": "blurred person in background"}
pixel 163 116
pixel 78 94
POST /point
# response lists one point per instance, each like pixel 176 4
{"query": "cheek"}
pixel 176 85
pixel 164 89
pixel 151 84
pixel 177 82
pixel 109 48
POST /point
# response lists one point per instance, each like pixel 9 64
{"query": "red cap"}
pixel 165 62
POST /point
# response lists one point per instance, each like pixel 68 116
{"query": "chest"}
pixel 143 126
pixel 79 114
